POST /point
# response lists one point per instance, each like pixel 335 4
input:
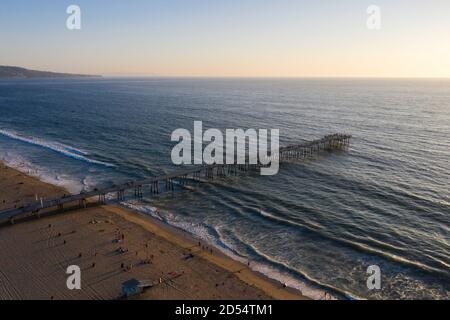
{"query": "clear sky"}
pixel 255 38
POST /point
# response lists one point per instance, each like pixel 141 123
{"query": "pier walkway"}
pixel 158 184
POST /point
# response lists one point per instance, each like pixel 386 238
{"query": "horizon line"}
pixel 267 77
pixel 150 75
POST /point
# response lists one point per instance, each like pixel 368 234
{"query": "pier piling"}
pixel 290 153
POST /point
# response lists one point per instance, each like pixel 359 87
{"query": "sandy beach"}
pixel 112 245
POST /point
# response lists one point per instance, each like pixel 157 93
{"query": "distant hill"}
pixel 22 73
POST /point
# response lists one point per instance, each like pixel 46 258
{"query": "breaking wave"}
pixel 61 148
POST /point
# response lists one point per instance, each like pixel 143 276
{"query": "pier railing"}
pixel 163 183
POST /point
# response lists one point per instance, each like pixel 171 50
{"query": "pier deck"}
pixel 164 183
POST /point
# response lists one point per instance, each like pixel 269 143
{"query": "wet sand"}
pixel 18 189
pixel 112 245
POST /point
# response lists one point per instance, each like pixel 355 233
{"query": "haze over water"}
pixel 383 202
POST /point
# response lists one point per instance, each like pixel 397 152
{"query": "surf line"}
pixel 61 148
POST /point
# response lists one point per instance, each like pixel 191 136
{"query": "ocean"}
pixel 317 225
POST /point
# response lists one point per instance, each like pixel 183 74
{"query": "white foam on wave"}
pixel 197 230
pixel 61 148
pixel 274 273
pixel 89 183
pixel 201 232
pixel 44 174
pixel 151 211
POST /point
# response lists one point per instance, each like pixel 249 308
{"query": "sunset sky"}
pixel 251 38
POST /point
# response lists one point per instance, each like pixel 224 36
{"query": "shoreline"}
pixel 185 240
pixel 317 291
pixel 178 238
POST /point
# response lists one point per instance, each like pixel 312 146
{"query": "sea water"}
pixel 317 225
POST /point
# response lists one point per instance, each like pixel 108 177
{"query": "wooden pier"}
pixel 164 183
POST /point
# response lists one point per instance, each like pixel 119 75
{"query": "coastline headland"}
pixel 12 72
